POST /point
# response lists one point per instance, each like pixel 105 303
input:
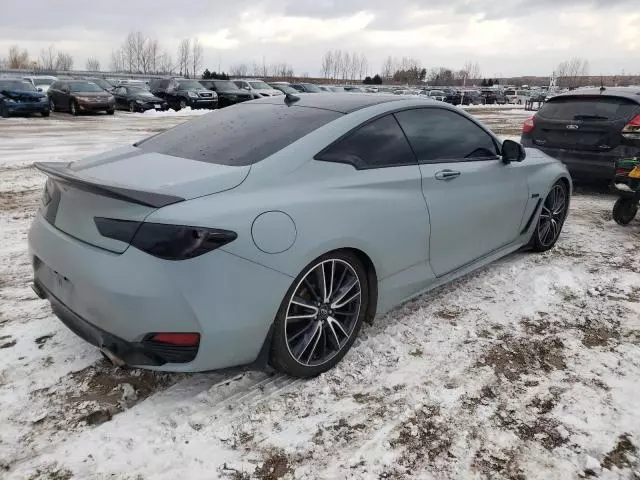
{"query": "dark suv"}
pixel 182 92
pixel 588 130
pixel 228 92
pixel 491 97
pixel 77 96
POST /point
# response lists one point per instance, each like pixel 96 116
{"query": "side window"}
pixel 437 135
pixel 55 86
pixel 379 143
pixel 121 91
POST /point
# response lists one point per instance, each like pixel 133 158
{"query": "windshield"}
pixel 286 89
pixel 225 85
pixel 588 108
pixel 310 87
pixel 18 85
pixel 260 85
pixel 437 92
pixel 84 87
pixel 140 91
pixel 101 82
pixel 43 81
pixel 189 85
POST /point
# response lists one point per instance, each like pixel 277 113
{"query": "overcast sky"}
pixel 507 37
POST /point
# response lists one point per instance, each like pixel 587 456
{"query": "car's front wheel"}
pixel 132 107
pixel 183 104
pixel 320 316
pixel 4 111
pixel 73 108
pixel 552 217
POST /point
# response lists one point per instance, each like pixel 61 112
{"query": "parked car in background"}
pixel 452 96
pixel 151 251
pixel 41 82
pixel 284 87
pixel 102 83
pixel 511 95
pixel 324 88
pixel 21 97
pixel 588 130
pixel 131 82
pixel 471 97
pixel 137 99
pixel 336 88
pixel 228 92
pixel 257 88
pixel 492 97
pixel 353 89
pixel 436 95
pixel 182 92
pixel 78 96
pixel 306 87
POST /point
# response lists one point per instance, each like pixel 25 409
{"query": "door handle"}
pixel 447 174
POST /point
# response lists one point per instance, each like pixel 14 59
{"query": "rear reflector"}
pixel 529 124
pixel 182 339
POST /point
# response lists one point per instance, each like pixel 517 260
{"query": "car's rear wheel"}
pixel 320 316
pixel 552 217
pixel 132 107
pixel 624 210
pixel 73 107
pixel 111 111
pixel 45 113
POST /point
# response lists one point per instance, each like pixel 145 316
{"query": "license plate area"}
pixel 57 283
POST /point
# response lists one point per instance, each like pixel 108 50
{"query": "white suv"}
pixel 41 82
pixel 257 88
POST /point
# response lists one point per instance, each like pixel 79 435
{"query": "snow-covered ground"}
pixel 529 368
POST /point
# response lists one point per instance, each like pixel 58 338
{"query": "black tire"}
pixel 132 107
pixel 551 215
pixel 625 210
pixel 73 108
pixel 52 106
pixel 45 113
pixel 182 104
pixel 111 111
pixel 281 357
pixel 4 111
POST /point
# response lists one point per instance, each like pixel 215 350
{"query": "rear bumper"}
pixel 95 107
pixel 587 165
pixel 115 301
pixel 132 353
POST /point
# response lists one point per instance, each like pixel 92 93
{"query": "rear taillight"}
pixel 169 242
pixel 632 129
pixel 529 124
pixel 178 339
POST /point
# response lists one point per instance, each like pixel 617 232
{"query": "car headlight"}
pixel 83 99
pixel 192 94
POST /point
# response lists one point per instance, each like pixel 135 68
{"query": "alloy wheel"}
pixel 52 106
pixel 554 211
pixel 322 312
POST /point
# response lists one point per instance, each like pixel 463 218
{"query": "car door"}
pixel 119 94
pixel 476 202
pixel 386 178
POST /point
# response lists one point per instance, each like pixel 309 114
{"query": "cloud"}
pixel 507 36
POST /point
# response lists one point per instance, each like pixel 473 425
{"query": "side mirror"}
pixel 512 152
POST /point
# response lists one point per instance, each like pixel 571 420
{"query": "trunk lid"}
pixel 583 123
pixel 125 184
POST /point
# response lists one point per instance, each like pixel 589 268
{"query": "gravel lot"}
pixel 529 368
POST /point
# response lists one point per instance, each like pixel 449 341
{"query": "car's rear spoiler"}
pixel 60 171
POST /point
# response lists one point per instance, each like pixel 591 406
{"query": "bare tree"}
pixel 117 62
pixel 572 73
pixel 18 58
pixel 327 64
pixel 93 64
pixel 470 71
pixel 152 54
pixel 338 61
pixel 165 63
pixel 387 68
pixel 239 70
pixel 184 55
pixel 255 69
pixel 196 56
pixel 64 62
pixel 364 66
pixel 48 58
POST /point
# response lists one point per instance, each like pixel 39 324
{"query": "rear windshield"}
pixel 239 135
pixel 588 108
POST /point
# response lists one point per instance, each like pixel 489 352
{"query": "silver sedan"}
pixel 271 230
